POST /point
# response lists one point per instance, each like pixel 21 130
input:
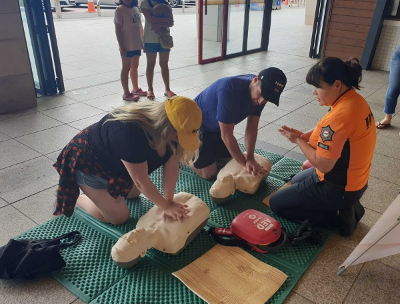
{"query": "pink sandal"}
pixel 139 92
pixel 130 97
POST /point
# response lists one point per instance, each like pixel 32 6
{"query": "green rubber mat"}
pixel 89 268
pixel 285 168
pixel 267 187
pixel 273 157
pixel 148 284
pixel 200 245
pixel 91 274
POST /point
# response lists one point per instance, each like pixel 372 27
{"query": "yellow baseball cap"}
pixel 185 115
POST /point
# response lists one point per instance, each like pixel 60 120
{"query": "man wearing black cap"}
pixel 227 102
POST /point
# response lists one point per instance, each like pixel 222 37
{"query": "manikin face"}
pixel 327 94
pixel 255 93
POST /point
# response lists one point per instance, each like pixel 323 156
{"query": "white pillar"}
pixel 310 12
pixel 58 9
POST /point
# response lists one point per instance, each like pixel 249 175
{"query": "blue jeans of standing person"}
pixel 393 90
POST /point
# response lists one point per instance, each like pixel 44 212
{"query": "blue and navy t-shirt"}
pixel 227 100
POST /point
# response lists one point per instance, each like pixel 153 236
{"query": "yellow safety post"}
pixel 98 7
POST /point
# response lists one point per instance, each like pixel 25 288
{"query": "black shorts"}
pixel 211 148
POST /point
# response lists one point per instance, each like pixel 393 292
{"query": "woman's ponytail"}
pixel 355 72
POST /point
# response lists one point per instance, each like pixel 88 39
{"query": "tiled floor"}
pixel 31 140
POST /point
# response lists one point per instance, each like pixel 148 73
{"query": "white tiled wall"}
pixel 389 40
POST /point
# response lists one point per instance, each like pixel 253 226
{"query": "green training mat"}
pixel 91 274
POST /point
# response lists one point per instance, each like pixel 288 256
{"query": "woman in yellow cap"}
pixel 112 159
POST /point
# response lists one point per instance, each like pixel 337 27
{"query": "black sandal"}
pixel 380 125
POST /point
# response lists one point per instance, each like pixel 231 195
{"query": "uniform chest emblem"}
pixel 326 133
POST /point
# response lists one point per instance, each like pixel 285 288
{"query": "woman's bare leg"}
pixel 164 58
pixel 126 66
pixel 151 63
pixel 134 72
pixel 102 206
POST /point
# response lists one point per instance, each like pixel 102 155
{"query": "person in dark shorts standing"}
pixel 227 102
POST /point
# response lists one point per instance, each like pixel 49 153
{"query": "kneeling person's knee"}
pixel 119 219
pixel 274 205
pixel 208 175
pixel 117 212
pixel 208 172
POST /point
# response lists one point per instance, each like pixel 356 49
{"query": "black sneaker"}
pixel 360 211
pixel 349 218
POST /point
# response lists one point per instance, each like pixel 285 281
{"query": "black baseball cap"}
pixel 273 81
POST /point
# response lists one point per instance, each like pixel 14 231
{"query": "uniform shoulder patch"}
pixel 322 146
pixel 326 133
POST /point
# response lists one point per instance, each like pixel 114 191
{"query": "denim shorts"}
pixel 91 180
pixel 155 48
pixel 133 53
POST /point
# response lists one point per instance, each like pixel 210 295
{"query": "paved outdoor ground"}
pixel 31 140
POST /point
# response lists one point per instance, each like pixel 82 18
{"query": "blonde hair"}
pixel 153 119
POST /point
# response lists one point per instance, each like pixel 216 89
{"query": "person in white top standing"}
pixel 129 32
pixel 152 45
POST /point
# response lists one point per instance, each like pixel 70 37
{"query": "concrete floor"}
pixel 31 140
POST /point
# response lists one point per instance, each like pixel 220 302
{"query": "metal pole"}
pixel 54 49
pixel 183 6
pixel 98 7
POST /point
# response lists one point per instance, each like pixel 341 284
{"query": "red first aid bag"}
pixel 252 228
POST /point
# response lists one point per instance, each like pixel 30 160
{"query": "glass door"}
pixel 235 27
pixel 256 22
pixel 318 32
pixel 230 28
pixel 42 46
pixel 245 26
pixel 212 30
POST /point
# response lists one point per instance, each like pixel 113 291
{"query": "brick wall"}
pixel 348 27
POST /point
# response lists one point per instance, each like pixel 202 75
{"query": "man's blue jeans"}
pixel 393 91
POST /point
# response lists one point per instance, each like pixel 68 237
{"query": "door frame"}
pixel 265 31
pixel 44 45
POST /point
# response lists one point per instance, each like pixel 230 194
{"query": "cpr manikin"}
pixel 233 177
pixel 168 236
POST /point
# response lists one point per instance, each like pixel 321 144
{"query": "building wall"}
pixel 388 41
pixel 16 82
pixel 348 28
